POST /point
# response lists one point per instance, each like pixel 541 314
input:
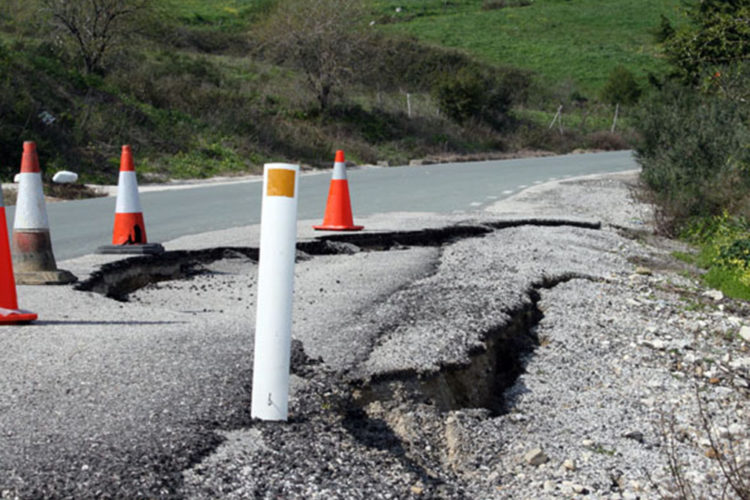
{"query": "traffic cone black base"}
pixel 57 277
pixel 145 249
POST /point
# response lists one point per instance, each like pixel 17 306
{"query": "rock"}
pixel 745 333
pixel 417 489
pixel 549 486
pixel 383 163
pixel 635 436
pixel 569 464
pixel 737 430
pixel 416 163
pixel 740 364
pixel 643 271
pixel 535 457
pixel 714 295
pixel 65 177
pixel 587 443
pixel 657 344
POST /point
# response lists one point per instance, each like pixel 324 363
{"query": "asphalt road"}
pixel 117 399
pixel 78 227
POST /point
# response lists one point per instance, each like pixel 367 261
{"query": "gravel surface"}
pixel 626 346
pixel 530 362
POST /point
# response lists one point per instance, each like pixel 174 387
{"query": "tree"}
pixel 95 27
pixel 321 38
pixel 718 35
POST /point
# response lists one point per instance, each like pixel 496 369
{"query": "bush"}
pixel 694 153
pixel 724 251
pixel 501 4
pixel 607 141
pixel 621 87
pixel 468 95
pixel 403 63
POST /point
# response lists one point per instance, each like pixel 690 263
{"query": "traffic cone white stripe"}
pixel 128 201
pixel 31 212
pixel 339 171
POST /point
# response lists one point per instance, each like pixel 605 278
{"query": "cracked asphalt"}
pixel 151 397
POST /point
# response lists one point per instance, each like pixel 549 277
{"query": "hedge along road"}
pixel 79 227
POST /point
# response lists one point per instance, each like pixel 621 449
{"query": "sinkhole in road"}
pixel 118 279
pixel 493 366
pixel 481 383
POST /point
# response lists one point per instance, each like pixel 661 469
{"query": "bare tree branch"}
pixel 320 38
pixel 94 27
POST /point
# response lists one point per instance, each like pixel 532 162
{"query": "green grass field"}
pixel 197 97
pixel 578 40
pixel 224 15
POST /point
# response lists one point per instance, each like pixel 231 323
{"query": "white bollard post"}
pixel 273 321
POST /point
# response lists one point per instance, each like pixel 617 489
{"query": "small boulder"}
pixel 535 457
pixel 714 295
pixel 65 177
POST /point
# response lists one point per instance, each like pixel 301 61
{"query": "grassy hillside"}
pixel 578 40
pixel 196 92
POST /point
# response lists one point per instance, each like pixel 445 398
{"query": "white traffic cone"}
pixel 33 260
pixel 129 233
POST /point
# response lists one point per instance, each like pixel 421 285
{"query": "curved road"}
pixel 78 227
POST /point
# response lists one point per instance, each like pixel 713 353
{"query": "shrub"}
pixel 621 87
pixel 403 63
pixel 694 153
pixel 607 141
pixel 724 243
pixel 501 4
pixel 470 95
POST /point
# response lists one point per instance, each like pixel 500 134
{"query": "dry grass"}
pixel 9 197
pixel 57 192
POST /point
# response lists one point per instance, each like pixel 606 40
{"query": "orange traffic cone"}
pixel 338 216
pixel 33 260
pixel 129 233
pixel 9 312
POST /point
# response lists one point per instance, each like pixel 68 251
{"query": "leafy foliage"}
pixel 718 35
pixel 724 251
pixel 694 153
pixel 695 131
pixel 469 95
pixel 621 87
